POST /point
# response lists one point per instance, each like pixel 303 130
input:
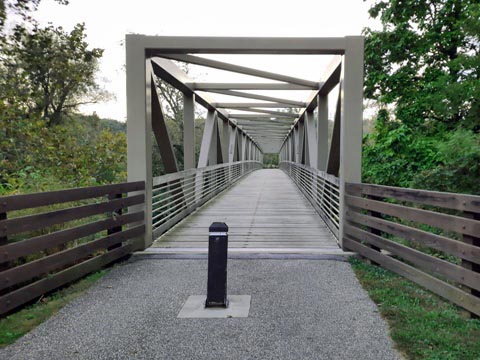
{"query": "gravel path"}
pixel 300 309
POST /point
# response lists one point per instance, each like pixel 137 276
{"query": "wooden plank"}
pixel 447 291
pixel 434 198
pixel 422 260
pixel 27 201
pixel 442 221
pixel 38 221
pixel 38 243
pixel 434 241
pixel 25 294
pixel 45 265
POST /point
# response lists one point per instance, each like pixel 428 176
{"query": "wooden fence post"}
pixel 3 241
pixel 472 240
pixel 374 231
pixel 115 213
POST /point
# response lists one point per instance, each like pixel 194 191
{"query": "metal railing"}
pixel 320 188
pixel 176 195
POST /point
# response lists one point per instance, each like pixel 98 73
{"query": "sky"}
pixel 107 22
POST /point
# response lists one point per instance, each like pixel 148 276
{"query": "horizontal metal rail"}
pixel 320 188
pixel 177 195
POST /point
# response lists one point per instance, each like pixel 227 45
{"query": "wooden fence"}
pixel 431 238
pixel 50 239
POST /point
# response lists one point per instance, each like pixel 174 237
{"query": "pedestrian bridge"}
pixel 266 213
pixel 315 202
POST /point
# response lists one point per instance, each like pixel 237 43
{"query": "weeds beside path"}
pixel 423 326
pixel 21 322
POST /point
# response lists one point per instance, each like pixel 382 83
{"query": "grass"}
pixel 21 322
pixel 422 325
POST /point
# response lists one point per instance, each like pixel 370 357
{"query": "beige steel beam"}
pixel 351 120
pixel 188 131
pixel 239 105
pixel 310 140
pixel 240 45
pixel 249 86
pixel 191 59
pixel 243 94
pixel 160 131
pixel 139 128
pixel 322 132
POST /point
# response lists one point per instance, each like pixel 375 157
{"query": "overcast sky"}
pixel 107 22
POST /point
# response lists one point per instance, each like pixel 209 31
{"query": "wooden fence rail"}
pixel 50 239
pixel 431 238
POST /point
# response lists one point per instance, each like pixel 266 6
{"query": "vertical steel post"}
pixel 322 133
pixel 188 131
pixel 139 127
pixel 351 83
pixel 217 265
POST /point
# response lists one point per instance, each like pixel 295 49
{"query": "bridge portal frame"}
pixel 148 55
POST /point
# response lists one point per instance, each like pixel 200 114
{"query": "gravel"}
pixel 300 309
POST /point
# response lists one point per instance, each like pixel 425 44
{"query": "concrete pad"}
pixel 194 308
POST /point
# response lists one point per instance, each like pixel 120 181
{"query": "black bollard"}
pixel 217 265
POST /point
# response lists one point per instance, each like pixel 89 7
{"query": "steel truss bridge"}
pixel 314 203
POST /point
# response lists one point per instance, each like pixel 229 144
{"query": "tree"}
pixel 423 70
pixel 58 68
pixel 20 7
pixel 426 60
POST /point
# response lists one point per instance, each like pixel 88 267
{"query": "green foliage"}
pixel 426 60
pixel 82 152
pixel 422 325
pixel 270 161
pixel 56 68
pixel 458 168
pixel 393 152
pixel 22 8
pixel 424 66
pixel 45 74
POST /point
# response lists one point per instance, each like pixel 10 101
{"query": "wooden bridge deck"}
pixel 265 212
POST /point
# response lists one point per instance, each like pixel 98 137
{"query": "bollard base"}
pixel 194 307
pixel 214 304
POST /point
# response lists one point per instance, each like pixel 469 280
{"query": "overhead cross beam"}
pixel 279 116
pixel 271 112
pixel 240 69
pixel 233 105
pixel 250 86
pixel 259 97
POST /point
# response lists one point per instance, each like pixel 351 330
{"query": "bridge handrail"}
pixel 176 195
pixel 320 188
